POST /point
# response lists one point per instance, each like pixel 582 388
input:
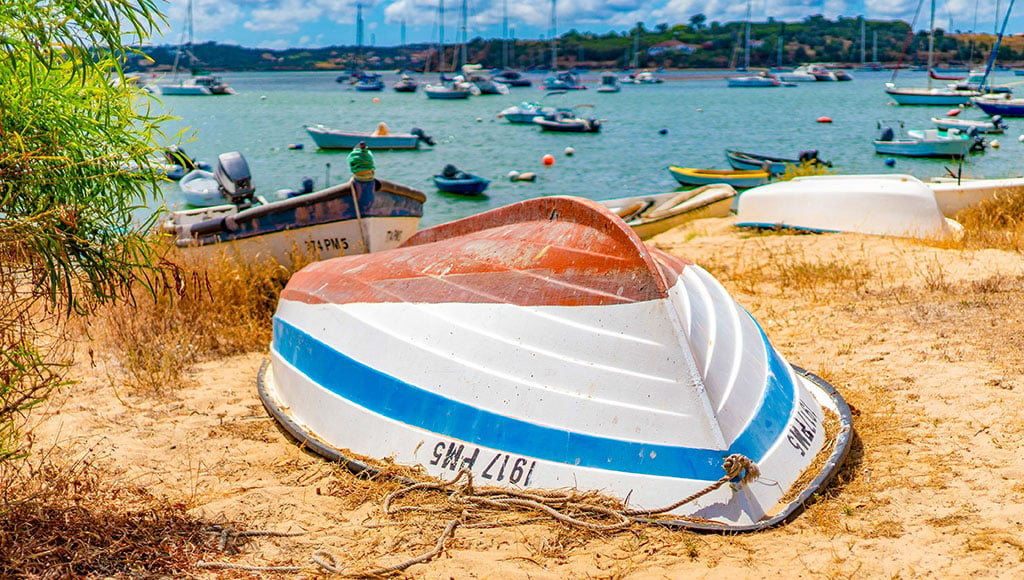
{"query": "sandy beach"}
pixel 924 341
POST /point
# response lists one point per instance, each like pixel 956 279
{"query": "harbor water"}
pixel 686 121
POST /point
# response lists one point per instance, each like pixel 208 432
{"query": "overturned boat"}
pixel 367 214
pixel 543 345
pixel 883 205
pixel 650 215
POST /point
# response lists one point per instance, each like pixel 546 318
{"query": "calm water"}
pixel 629 157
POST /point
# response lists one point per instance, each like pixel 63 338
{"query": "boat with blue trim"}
pixel 544 345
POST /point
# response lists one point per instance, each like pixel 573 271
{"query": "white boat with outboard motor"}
pixel 360 216
pixel 329 138
pixel 543 345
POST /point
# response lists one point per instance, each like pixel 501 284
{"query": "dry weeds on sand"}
pixel 924 341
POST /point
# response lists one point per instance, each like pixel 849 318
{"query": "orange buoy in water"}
pixel 824 119
pixel 952 112
pixel 548 159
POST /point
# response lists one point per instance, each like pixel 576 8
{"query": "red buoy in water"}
pixel 952 112
pixel 548 159
pixel 824 119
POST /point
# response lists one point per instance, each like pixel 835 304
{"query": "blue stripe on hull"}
pixel 385 395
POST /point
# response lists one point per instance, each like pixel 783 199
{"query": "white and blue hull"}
pixel 641 400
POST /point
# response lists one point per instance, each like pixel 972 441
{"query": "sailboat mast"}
pixel 504 35
pixel 554 39
pixel 931 44
pixel 465 40
pixel 440 37
pixel 746 41
pixel 636 47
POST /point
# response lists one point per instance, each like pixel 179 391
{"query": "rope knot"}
pixel 737 465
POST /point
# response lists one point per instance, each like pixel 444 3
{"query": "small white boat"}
pixel 928 143
pixel 885 205
pixel 953 194
pixel 650 215
pixel 994 125
pixel 454 88
pixel 328 138
pixel 200 189
pixel 542 345
pixel 609 83
pixel 197 86
pixel 353 218
pixel 753 81
pixel 525 112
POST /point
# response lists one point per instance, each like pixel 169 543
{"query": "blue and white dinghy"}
pixel 543 345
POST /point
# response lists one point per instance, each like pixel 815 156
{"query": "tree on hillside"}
pixel 70 125
pixel 697 21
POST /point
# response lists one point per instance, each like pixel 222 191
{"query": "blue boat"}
pixel 452 180
pixel 369 82
pixel 1000 105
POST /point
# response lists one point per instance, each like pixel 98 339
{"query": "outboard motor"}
pixel 234 178
pixel 809 156
pixel 979 141
pixel 887 134
pixel 177 156
pixel 422 136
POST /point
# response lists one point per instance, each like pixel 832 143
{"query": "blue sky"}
pixel 315 23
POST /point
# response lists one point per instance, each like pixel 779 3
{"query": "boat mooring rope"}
pixel 469 501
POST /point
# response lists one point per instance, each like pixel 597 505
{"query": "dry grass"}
pixel 66 521
pixel 997 223
pixel 202 309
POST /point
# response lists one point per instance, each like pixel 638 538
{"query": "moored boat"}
pixel 406 84
pixel 200 189
pixel 366 214
pixel 1000 105
pixel 543 345
pixel 747 161
pixel 885 205
pixel 328 138
pixel 929 143
pixel 650 215
pixel 994 125
pixel 453 180
pixel 567 121
pixel 737 178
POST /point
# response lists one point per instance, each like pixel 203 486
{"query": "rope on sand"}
pixel 569 507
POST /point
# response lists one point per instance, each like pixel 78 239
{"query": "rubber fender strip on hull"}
pixel 839 452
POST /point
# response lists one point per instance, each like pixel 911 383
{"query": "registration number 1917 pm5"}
pixel 494 466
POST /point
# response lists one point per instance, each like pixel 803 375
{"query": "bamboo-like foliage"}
pixel 76 150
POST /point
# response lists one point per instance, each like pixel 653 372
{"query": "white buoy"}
pixel 513 175
pixel 995 144
pixel 1021 138
pixel 569 151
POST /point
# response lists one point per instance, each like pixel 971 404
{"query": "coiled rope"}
pixel 570 507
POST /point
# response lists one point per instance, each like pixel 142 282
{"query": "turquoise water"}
pixel 699 117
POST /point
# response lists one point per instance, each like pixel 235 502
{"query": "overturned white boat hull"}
pixel 542 345
pixel 885 205
pixel 954 194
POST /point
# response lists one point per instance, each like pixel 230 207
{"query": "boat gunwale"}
pixel 791 510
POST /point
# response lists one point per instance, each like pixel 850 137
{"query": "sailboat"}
pixel 192 85
pixel 945 96
pixel 559 81
pixel 448 88
pixel 759 80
